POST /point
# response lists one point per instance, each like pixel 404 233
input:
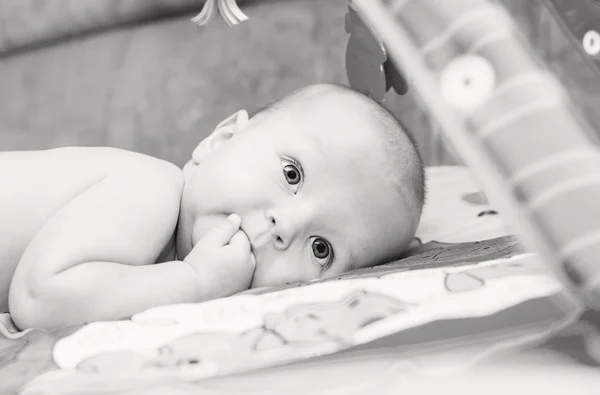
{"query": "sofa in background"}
pixel 138 75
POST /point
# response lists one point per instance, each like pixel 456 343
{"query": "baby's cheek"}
pixel 283 268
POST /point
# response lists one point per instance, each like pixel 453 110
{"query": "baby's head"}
pixel 325 181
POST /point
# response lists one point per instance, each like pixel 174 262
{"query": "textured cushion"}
pixel 456 209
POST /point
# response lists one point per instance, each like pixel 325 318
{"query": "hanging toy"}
pixel 228 8
pixel 580 20
pixel 367 65
pixel 512 122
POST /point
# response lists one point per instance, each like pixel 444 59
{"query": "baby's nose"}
pixel 283 230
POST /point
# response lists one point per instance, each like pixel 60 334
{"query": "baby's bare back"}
pixel 34 185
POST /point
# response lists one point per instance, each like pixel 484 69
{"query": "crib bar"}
pixel 511 121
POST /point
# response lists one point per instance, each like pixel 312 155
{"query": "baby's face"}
pixel 310 186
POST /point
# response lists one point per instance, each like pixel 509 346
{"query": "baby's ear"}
pixel 223 132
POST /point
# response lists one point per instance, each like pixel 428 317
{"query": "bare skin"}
pixel 73 215
pixel 297 195
pixel 36 185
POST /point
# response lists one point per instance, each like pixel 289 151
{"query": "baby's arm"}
pixel 93 260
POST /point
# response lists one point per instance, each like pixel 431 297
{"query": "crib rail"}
pixel 509 119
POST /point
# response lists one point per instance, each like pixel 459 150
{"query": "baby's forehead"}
pixel 334 106
pixel 333 142
pixel 331 119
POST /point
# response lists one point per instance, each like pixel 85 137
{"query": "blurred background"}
pixel 138 75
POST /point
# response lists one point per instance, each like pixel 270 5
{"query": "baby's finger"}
pixel 223 233
pixel 240 241
pixel 240 244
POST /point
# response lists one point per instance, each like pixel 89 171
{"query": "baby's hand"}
pixel 223 258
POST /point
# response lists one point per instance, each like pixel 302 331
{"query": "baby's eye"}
pixel 322 251
pixel 292 175
pixel 292 172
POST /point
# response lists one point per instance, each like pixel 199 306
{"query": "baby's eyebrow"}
pixel 348 252
pixel 318 143
pixel 351 261
pixel 342 242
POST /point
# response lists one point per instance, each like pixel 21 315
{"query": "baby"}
pixel 316 184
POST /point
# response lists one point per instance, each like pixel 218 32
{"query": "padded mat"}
pixel 474 300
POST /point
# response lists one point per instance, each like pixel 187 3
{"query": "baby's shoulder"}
pixel 71 168
pixel 88 158
pixel 108 159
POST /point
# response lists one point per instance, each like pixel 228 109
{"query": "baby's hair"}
pixel 400 145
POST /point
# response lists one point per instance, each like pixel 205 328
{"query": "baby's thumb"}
pixel 222 233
